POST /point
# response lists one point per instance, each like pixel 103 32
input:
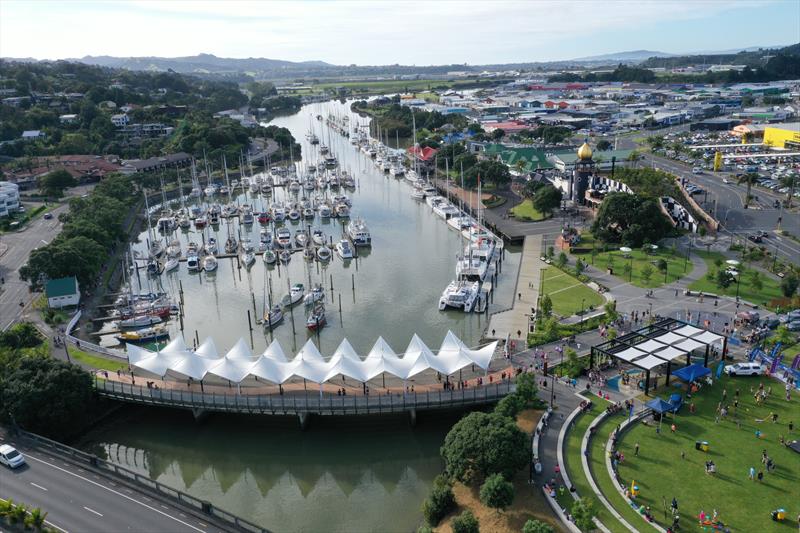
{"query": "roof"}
pixel 31 133
pixel 61 287
pixel 423 154
pixel 510 155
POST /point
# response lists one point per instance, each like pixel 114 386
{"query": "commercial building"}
pixel 783 135
pixel 9 198
pixel 62 292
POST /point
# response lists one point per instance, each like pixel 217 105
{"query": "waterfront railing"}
pixel 88 459
pixel 308 402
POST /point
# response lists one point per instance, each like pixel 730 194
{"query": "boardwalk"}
pixel 508 323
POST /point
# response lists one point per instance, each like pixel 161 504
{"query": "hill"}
pixel 624 57
pixel 752 58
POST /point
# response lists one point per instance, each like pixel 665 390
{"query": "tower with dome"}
pixel 581 174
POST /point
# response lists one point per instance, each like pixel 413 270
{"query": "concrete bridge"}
pixel 303 405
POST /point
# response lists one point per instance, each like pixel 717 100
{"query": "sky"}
pixel 381 32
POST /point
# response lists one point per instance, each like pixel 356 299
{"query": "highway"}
pixel 79 500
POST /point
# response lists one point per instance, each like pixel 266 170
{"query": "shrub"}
pixel 509 406
pixel 583 512
pixel 439 502
pixel 534 526
pixel 496 492
pixel 465 523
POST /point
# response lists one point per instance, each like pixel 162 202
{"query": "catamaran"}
pixel 460 295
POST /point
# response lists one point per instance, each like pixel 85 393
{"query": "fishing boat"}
pixel 269 256
pixel 296 293
pixel 273 316
pixel 144 335
pixel 317 236
pixel 459 295
pixel 359 233
pixel 344 249
pixel 284 237
pixel 316 320
pixel 193 262
pixel 324 253
pixel 210 263
pixel 171 264
pixel 139 321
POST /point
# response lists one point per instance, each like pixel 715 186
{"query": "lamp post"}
pixel 630 271
pixel 583 312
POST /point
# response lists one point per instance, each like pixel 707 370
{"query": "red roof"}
pixel 423 154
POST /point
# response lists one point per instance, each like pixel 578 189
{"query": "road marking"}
pixel 92 511
pixel 117 493
pixel 38 486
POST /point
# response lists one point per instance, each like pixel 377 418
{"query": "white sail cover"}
pixel 345 361
pixel 309 364
pixel 208 349
pixel 275 352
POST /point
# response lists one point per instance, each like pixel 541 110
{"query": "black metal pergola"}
pixel 652 335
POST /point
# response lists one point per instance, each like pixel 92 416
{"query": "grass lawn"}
pixel 96 361
pixel 771 287
pixel 637 259
pixel 743 505
pixel 526 211
pixel 567 293
pixel 572 455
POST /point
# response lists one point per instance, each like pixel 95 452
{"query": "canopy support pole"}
pixel 705 358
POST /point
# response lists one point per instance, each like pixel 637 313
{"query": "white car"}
pixel 10 457
pixel 726 181
pixel 744 369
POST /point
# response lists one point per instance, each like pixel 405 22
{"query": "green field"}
pixel 637 259
pixel 526 211
pixel 400 86
pixel 567 293
pixel 743 505
pixel 771 287
pixel 95 361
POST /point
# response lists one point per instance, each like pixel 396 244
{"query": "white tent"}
pixel 630 354
pixel 208 349
pixel 422 357
pixel 451 356
pixel 670 353
pixel 481 357
pixel 309 364
pixel 176 347
pixel 241 351
pixel 158 363
pixel 231 368
pixel 137 353
pixel 272 370
pixel 193 366
pixel 379 359
pixel 275 352
pixel 345 361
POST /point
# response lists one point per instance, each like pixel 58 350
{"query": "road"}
pixel 18 246
pixel 77 499
pixel 725 202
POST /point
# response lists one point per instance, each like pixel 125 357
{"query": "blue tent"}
pixel 660 406
pixel 691 373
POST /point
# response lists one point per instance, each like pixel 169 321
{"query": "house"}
pixel 33 135
pixel 68 119
pixel 120 120
pixel 62 292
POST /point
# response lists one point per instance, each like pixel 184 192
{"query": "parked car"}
pixel 744 369
pixel 755 238
pixel 771 323
pixel 10 457
pixel 793 326
pixel 48 216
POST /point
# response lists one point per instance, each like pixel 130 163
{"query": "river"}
pixel 342 474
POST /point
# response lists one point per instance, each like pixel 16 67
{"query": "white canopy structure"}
pixel 273 365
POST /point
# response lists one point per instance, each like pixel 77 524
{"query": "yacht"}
pixel 301 238
pixel 192 261
pixel 210 263
pixel 211 246
pixel 294 214
pixel 460 295
pixel 285 256
pixel 139 321
pixel 156 248
pixel 342 210
pixel 417 193
pixel 429 190
pixel 171 264
pixel 195 193
pixel 397 170
pixel 344 249
pixel 269 257
pixel 174 249
pixel 296 294
pixel 284 237
pixel 316 320
pixel 184 222
pixel 263 217
pixel 213 216
pixel 165 224
pixel 144 335
pixel 313 139
pixel 231 245
pixel 323 149
pixel 247 215
pixel 278 214
pixel 248 258
pixel 294 186
pixel 317 236
pixel 265 237
pixel 154 267
pixel 200 222
pixel 477 259
pixel 359 233
pixel 324 253
pixel 316 294
pixel 325 211
pixel 273 316
pixel 254 187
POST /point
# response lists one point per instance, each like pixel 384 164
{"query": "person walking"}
pixel 636 450
pixel 752 475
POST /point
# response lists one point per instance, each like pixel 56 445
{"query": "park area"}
pixel 669 465
pixel 753 285
pixel 525 211
pixel 567 293
pixel 641 267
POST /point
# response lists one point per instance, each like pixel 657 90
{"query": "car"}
pixel 755 238
pixel 697 170
pixel 726 181
pixel 744 369
pixel 771 323
pixel 10 457
pixel 761 233
pixel 48 216
pixel 793 326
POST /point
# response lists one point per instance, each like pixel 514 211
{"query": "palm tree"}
pixel 749 179
pixel 633 158
pixel 790 182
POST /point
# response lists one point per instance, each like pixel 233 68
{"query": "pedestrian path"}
pixel 514 322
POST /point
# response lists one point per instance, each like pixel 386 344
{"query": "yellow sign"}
pixel 717 161
pixel 778 137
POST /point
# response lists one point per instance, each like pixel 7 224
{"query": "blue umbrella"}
pixel 691 373
pixel 660 406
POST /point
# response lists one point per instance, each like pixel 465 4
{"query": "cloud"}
pixel 377 32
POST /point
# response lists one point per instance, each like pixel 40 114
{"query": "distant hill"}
pixel 202 63
pixel 629 56
pixel 753 58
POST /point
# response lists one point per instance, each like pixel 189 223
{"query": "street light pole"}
pixel 583 312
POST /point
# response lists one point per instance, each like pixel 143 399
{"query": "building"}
pixel 68 119
pixel 783 135
pixel 33 135
pixel 9 198
pixel 120 120
pixel 62 292
pixel 181 159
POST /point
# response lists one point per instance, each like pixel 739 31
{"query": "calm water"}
pixel 340 474
pixel 398 280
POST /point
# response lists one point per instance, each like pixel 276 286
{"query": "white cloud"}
pixel 377 32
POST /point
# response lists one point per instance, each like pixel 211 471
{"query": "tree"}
pixel 54 183
pixel 611 310
pixel 498 134
pixel 755 280
pixel 465 523
pixel 21 335
pixel 630 219
pixel 626 268
pixel 527 389
pixel 47 396
pixel 546 305
pixel 647 273
pixel 789 284
pixel 790 182
pixel 580 266
pixel 561 262
pixel 661 264
pixel 535 526
pixel 35 520
pixel 603 145
pixel 496 492
pixel 439 502
pixel 749 179
pixel 546 199
pixel 509 406
pixel 488 170
pixel 583 512
pixel 723 279
pixel 484 443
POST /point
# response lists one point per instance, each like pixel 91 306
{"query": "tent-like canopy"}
pixel 670 338
pixel 651 361
pixel 669 353
pixel 691 372
pixel 688 331
pixel 630 354
pixel 689 345
pixel 707 337
pixel 273 365
pixel 649 346
pixel 659 406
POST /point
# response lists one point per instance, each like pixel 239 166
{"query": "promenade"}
pixel 513 322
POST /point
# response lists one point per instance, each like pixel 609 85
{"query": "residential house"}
pixel 62 292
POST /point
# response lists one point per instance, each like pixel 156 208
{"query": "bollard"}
pixel 249 322
pixel 331 281
pixel 353 280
